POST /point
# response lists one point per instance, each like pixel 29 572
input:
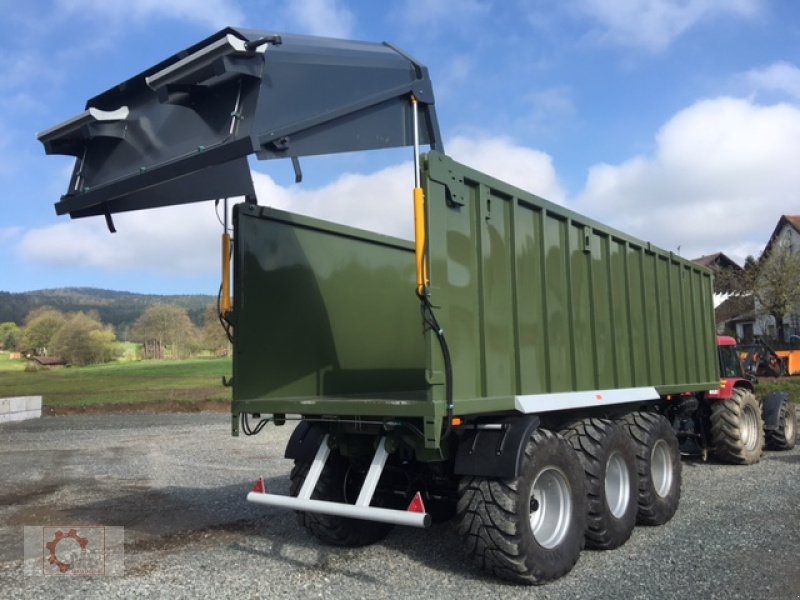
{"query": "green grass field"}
pixel 119 383
pixel 791 385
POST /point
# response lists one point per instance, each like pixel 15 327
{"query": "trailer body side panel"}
pixel 537 299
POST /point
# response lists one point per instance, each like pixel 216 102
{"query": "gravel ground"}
pixel 177 483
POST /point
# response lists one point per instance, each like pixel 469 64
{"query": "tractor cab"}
pixel 731 369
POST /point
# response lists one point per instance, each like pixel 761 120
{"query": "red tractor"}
pixel 731 421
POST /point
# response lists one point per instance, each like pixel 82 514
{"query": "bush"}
pixel 9 335
pixel 83 340
pixel 40 327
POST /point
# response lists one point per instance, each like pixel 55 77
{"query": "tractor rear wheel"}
pixel 658 461
pixel 737 428
pixel 608 456
pixel 529 529
pixel 785 436
pixel 335 479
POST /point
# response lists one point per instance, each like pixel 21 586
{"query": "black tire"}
pixel 785 436
pixel 529 529
pixel 658 462
pixel 608 456
pixel 737 428
pixel 333 530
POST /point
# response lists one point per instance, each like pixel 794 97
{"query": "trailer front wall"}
pixel 536 299
pixel 323 311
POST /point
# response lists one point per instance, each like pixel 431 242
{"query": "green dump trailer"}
pixel 517 368
pixel 543 311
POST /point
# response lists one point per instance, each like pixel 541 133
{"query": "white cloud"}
pixel 780 77
pixel 455 73
pixel 179 240
pixel 549 108
pixel 214 13
pixel 321 17
pixel 380 202
pixel 8 235
pixel 8 159
pixel 723 172
pixel 20 69
pixel 184 239
pixel 526 168
pixel 654 24
pixel 433 12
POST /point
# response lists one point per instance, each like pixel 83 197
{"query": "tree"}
pixel 775 283
pixel 214 337
pixel 40 326
pixel 773 280
pixel 9 335
pixel 164 327
pixel 84 340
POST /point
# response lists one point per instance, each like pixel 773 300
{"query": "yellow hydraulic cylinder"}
pixel 225 302
pixel 420 233
pixel 420 241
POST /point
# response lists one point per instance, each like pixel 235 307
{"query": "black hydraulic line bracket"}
pixel 298 172
pixel 275 40
pixel 502 441
pixel 110 222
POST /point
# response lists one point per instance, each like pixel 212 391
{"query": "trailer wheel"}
pixel 737 428
pixel 659 465
pixel 529 529
pixel 333 530
pixel 608 456
pixel 785 436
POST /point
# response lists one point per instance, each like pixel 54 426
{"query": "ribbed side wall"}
pixel 536 299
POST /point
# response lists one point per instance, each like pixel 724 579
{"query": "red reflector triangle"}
pixel 416 505
pixel 259 486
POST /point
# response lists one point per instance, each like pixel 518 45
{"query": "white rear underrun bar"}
pixel 360 510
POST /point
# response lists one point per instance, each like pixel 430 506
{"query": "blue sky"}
pixel 677 121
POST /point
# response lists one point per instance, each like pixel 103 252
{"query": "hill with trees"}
pixel 118 309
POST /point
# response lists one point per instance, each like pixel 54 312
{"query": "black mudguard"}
pixel 771 408
pixel 305 441
pixel 495 452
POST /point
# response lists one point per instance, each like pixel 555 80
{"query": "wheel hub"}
pixel 550 507
pixel 661 468
pixel 748 431
pixel 617 485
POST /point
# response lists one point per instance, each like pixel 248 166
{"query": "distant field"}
pixel 141 382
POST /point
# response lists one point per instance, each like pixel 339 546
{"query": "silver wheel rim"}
pixel 550 507
pixel 748 432
pixel 661 468
pixel 618 485
pixel 788 427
